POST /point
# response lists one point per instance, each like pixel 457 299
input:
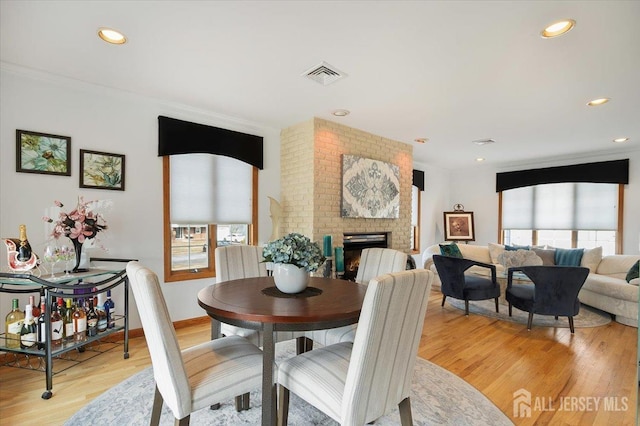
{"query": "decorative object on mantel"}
pixel 293 257
pixel 327 251
pixel 276 215
pixel 370 188
pixel 101 170
pixel 458 225
pixel 20 257
pixel 82 223
pixel 43 153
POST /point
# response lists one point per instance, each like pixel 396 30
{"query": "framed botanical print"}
pixel 43 153
pixel 458 226
pixel 101 170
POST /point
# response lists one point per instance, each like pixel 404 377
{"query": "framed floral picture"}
pixel 101 170
pixel 43 153
pixel 458 226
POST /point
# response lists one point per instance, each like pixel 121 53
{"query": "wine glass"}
pixel 51 254
pixel 68 254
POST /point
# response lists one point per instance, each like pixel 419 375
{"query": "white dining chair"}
pixel 373 263
pixel 197 377
pixel 357 383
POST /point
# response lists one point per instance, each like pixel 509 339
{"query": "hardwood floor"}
pixel 496 357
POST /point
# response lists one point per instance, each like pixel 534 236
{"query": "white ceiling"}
pixel 450 71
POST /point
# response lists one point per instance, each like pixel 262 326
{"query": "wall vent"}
pixel 324 73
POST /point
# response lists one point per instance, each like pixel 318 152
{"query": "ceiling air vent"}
pixel 324 73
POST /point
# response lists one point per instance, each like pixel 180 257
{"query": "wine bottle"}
pixel 57 326
pixel 24 248
pixel 29 331
pixel 35 308
pixel 92 320
pixel 68 322
pixel 79 323
pixel 108 309
pixel 102 315
pixel 42 327
pixel 13 325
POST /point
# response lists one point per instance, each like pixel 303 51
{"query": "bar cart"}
pixel 79 285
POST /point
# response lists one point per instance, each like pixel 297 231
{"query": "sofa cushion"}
pixel 477 253
pixel 510 259
pixel 451 250
pixel 548 256
pixel 494 251
pixel 612 287
pixel 568 257
pixel 617 265
pixel 633 272
pixel 591 258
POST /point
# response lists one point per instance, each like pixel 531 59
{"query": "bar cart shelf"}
pixel 76 286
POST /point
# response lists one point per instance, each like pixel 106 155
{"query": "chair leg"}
pixel 157 408
pixel 405 412
pixel 530 321
pixel 242 402
pixel 509 309
pixel 443 299
pixel 215 406
pixel 183 422
pixel 571 325
pixel 303 344
pixel 556 318
pixel 283 405
pixel 466 307
pixel 497 309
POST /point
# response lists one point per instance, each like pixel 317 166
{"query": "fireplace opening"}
pixel 353 245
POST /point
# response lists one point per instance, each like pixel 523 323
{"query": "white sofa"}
pixel 605 287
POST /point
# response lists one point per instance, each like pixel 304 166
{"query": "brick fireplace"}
pixel 311 181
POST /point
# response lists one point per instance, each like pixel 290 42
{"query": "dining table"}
pixel 256 303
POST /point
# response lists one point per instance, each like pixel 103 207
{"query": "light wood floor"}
pixel 498 358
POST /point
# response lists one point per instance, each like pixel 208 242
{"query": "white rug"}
pixel 587 317
pixel 438 398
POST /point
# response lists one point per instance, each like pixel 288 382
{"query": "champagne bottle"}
pixel 29 331
pixel 13 325
pixel 92 320
pixel 57 326
pixel 42 327
pixel 79 323
pixel 108 309
pixel 68 322
pixel 24 249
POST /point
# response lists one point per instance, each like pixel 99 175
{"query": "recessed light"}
pixel 558 28
pixel 598 101
pixel 479 159
pixel 421 140
pixel 620 140
pixel 341 112
pixel 484 141
pixel 111 36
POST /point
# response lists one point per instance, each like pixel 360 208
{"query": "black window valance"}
pixel 183 137
pixel 616 171
pixel 418 179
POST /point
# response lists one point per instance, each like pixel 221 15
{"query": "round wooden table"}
pixel 254 303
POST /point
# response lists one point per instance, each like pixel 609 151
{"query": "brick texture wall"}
pixel 311 181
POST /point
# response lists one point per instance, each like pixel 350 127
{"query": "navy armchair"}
pixel 554 291
pixel 456 284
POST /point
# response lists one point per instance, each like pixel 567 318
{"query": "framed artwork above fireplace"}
pixel 370 188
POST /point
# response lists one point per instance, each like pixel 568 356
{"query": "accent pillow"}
pixel 451 250
pixel 511 258
pixel 548 256
pixel 568 257
pixel 633 272
pixel 495 250
pixel 591 259
pixel 516 247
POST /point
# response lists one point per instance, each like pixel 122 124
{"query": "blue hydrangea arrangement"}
pixel 294 249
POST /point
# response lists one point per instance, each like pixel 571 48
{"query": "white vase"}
pixel 290 278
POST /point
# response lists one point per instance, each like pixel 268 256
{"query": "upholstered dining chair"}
pixel 373 263
pixel 356 383
pixel 197 377
pixel 554 291
pixel 455 283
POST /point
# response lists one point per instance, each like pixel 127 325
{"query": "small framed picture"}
pixel 43 153
pixel 458 226
pixel 101 170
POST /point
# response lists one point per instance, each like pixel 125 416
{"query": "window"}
pixel 415 219
pixel 565 215
pixel 209 201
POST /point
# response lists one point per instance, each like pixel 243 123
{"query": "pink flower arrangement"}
pixel 80 223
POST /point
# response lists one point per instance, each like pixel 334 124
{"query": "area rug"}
pixel 438 397
pixel 587 317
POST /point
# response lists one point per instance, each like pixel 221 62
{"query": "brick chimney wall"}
pixel 311 181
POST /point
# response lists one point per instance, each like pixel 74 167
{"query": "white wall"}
pixel 102 119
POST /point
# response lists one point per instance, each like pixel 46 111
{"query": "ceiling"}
pixel 449 71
